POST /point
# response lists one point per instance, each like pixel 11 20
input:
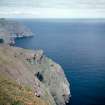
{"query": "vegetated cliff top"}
pixel 27 68
pixel 12 93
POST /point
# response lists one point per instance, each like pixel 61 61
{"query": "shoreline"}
pixel 29 64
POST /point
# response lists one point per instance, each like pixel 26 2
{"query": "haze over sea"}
pixel 79 47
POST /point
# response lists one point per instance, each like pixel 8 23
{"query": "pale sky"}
pixel 52 8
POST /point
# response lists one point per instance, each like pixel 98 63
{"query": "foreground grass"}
pixel 13 94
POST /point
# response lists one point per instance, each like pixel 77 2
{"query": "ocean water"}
pixel 79 47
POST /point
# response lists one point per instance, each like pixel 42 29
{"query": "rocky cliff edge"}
pixel 32 69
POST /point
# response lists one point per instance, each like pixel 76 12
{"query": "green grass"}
pixel 13 94
pixel 17 103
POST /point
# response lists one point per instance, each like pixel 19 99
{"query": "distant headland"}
pixel 10 29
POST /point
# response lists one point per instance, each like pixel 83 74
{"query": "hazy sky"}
pixel 52 8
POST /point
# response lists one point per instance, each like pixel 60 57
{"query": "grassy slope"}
pixel 13 94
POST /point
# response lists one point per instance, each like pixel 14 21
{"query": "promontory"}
pixel 29 77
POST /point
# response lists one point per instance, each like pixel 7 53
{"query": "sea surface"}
pixel 79 47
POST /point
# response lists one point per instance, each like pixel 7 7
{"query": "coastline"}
pixel 56 84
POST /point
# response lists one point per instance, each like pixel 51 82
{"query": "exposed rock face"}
pixel 9 30
pixel 33 68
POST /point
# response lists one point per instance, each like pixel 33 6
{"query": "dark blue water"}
pixel 79 46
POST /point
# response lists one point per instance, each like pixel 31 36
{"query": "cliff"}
pixel 21 68
pixel 9 30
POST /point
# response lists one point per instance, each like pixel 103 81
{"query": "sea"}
pixel 78 45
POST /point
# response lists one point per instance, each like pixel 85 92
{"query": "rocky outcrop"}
pixel 34 69
pixel 9 30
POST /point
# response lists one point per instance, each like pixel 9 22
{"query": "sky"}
pixel 52 8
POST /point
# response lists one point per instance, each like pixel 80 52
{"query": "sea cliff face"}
pixel 32 69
